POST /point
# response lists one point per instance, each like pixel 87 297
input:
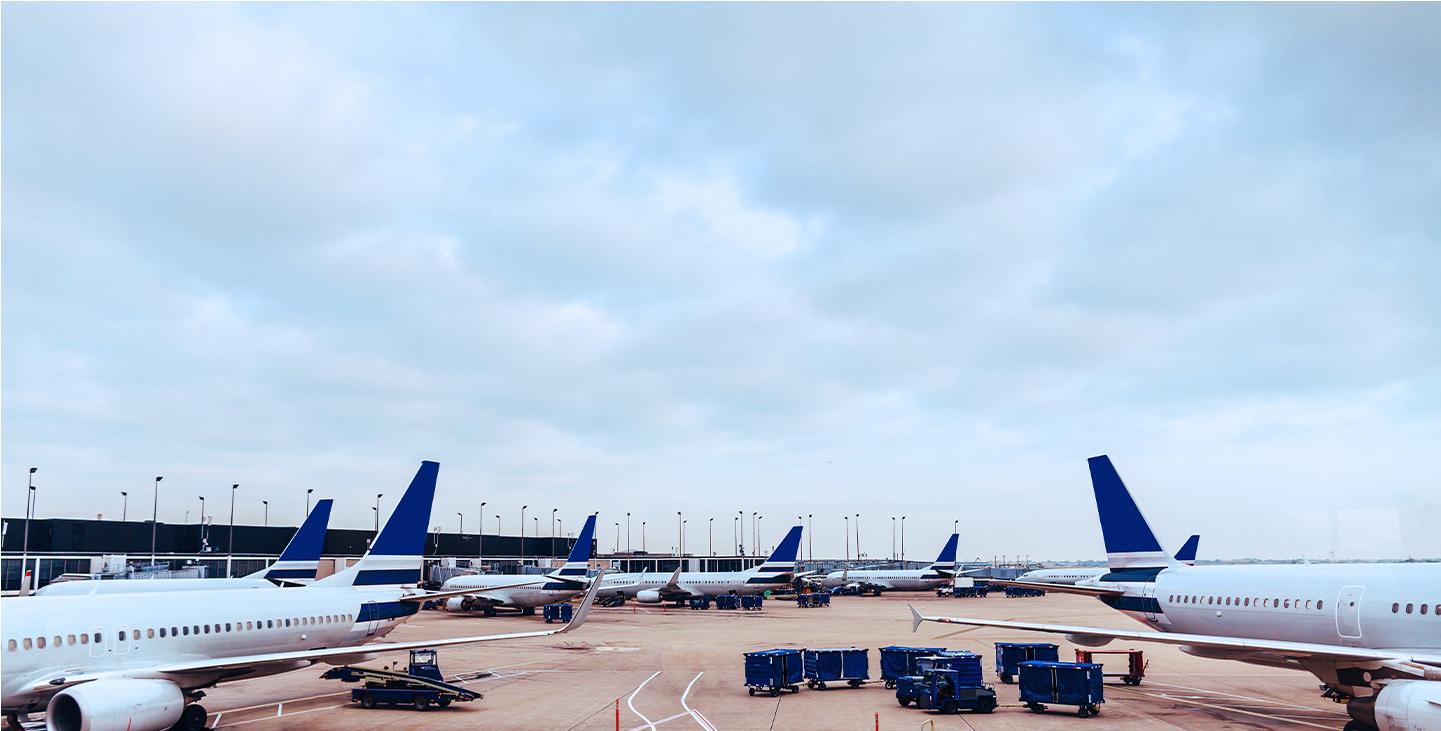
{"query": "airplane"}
pixel 1036 578
pixel 943 571
pixel 1369 632
pixel 297 564
pixel 128 661
pixel 560 586
pixel 776 572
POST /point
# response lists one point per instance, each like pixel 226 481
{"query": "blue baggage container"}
pixel 822 600
pixel 557 613
pixel 967 666
pixel 1009 656
pixel 805 600
pixel 850 664
pixel 727 601
pixel 752 601
pixel 897 661
pixel 1064 683
pixel 700 602
pixel 771 671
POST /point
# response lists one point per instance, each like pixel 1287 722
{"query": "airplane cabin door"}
pixel 369 612
pixel 1348 612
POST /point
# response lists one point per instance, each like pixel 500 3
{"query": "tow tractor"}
pixel 422 687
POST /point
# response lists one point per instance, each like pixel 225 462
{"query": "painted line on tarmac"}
pixel 648 723
pixel 288 715
pixel 700 719
pixel 1263 701
pixel 1228 709
pixel 663 721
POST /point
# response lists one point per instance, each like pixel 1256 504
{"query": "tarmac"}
pixel 647 667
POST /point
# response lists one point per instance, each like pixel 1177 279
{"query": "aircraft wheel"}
pixel 192 718
pixel 488 612
pixel 528 611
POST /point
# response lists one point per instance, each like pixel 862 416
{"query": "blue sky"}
pixel 801 259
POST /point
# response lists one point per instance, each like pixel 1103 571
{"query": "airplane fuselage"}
pixel 543 591
pixel 1062 576
pixel 696 583
pixel 889 580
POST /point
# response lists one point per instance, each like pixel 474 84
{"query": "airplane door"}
pixel 97 648
pixel 370 615
pixel 1348 611
pixel 1149 592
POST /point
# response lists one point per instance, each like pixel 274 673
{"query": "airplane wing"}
pixel 473 591
pixel 1060 588
pixel 251 661
pixel 1407 660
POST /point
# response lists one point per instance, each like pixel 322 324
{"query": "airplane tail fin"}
pixel 577 565
pixel 1187 554
pixel 301 557
pixel 947 560
pixel 1130 544
pixel 394 558
pixel 783 560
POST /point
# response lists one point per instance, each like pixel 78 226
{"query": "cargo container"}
pixel 752 601
pixel 849 664
pixel 557 613
pixel 700 602
pixel 1009 655
pixel 727 601
pixel 897 661
pixel 1063 683
pixel 771 671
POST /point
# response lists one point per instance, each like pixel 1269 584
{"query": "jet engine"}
pixel 649 596
pixel 456 604
pixel 1405 705
pixel 116 705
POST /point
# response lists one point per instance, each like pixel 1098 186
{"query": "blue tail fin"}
pixel 784 558
pixel 395 556
pixel 1129 540
pixel 301 557
pixel 947 560
pixel 1187 554
pixel 578 563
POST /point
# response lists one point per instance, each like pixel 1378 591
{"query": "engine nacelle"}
pixel 1089 640
pixel 1409 705
pixel 455 604
pixel 649 596
pixel 116 705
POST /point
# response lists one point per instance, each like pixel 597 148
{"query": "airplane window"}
pixel 195 629
pixel 10 646
pixel 1287 605
pixel 1320 603
pixel 249 625
pixel 1437 610
pixel 1308 603
pixel 28 644
pixel 70 639
pixel 1423 608
pixel 1395 608
pixel 287 623
pixel 162 631
pixel 84 639
pixel 40 642
pixel 270 624
pixel 150 633
pixel 97 638
pixel 57 642
pixel 227 626
pixel 187 631
pixel 122 635
pixel 174 632
pixel 1408 607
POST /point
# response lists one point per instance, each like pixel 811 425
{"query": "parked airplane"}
pixel 496 590
pixel 776 572
pixel 1369 631
pixel 298 564
pixel 128 661
pixel 1079 574
pixel 943 571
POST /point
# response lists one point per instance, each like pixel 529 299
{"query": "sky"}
pixel 813 259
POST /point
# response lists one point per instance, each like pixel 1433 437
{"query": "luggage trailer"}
pixel 1136 664
pixel 420 688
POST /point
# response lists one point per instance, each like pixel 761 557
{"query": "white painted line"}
pixel 702 720
pixel 663 721
pixel 278 708
pixel 293 715
pixel 1178 699
pixel 1264 701
pixel 631 697
pixel 216 722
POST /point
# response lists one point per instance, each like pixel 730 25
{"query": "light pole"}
pixel 848 536
pixel 480 535
pixel 755 533
pixel 124 504
pixel 903 541
pixel 679 534
pixel 627 532
pixel 710 537
pixel 154 515
pixel 462 525
pixel 683 525
pixel 308 490
pixel 29 508
pixel 810 536
pixel 956 526
pixel 266 503
pixel 230 542
pixel 378 496
pixel 858 536
pixel 522 534
pixel 552 527
pixel 617 535
pixel 893 537
pixel 536 531
pixel 759 518
pixel 642 537
pixel 740 514
pixel 202 523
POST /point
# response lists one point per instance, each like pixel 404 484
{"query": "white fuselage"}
pixel 1063 576
pixel 888 579
pixel 1355 605
pixel 542 591
pixel 693 583
pixel 132 635
pixel 131 586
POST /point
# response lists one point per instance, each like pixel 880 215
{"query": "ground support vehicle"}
pixel 1063 683
pixel 833 665
pixel 897 661
pixel 948 691
pixel 771 671
pixel 422 688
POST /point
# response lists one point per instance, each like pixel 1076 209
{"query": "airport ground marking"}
pixel 1258 714
pixel 700 719
pixel 1265 701
pixel 631 697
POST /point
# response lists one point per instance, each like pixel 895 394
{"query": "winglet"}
pixel 916 618
pixel 674 580
pixel 580 614
pixel 1187 554
pixel 1130 543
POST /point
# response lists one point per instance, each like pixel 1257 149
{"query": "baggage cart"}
pixel 805 600
pixel 700 602
pixel 849 664
pixel 1064 683
pixel 1135 664
pixel 897 661
pixel 821 600
pixel 771 671
pixel 421 688
pixel 727 601
pixel 752 602
pixel 557 613
pixel 1009 655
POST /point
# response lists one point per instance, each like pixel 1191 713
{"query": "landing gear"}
pixel 528 611
pixel 489 611
pixel 193 718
